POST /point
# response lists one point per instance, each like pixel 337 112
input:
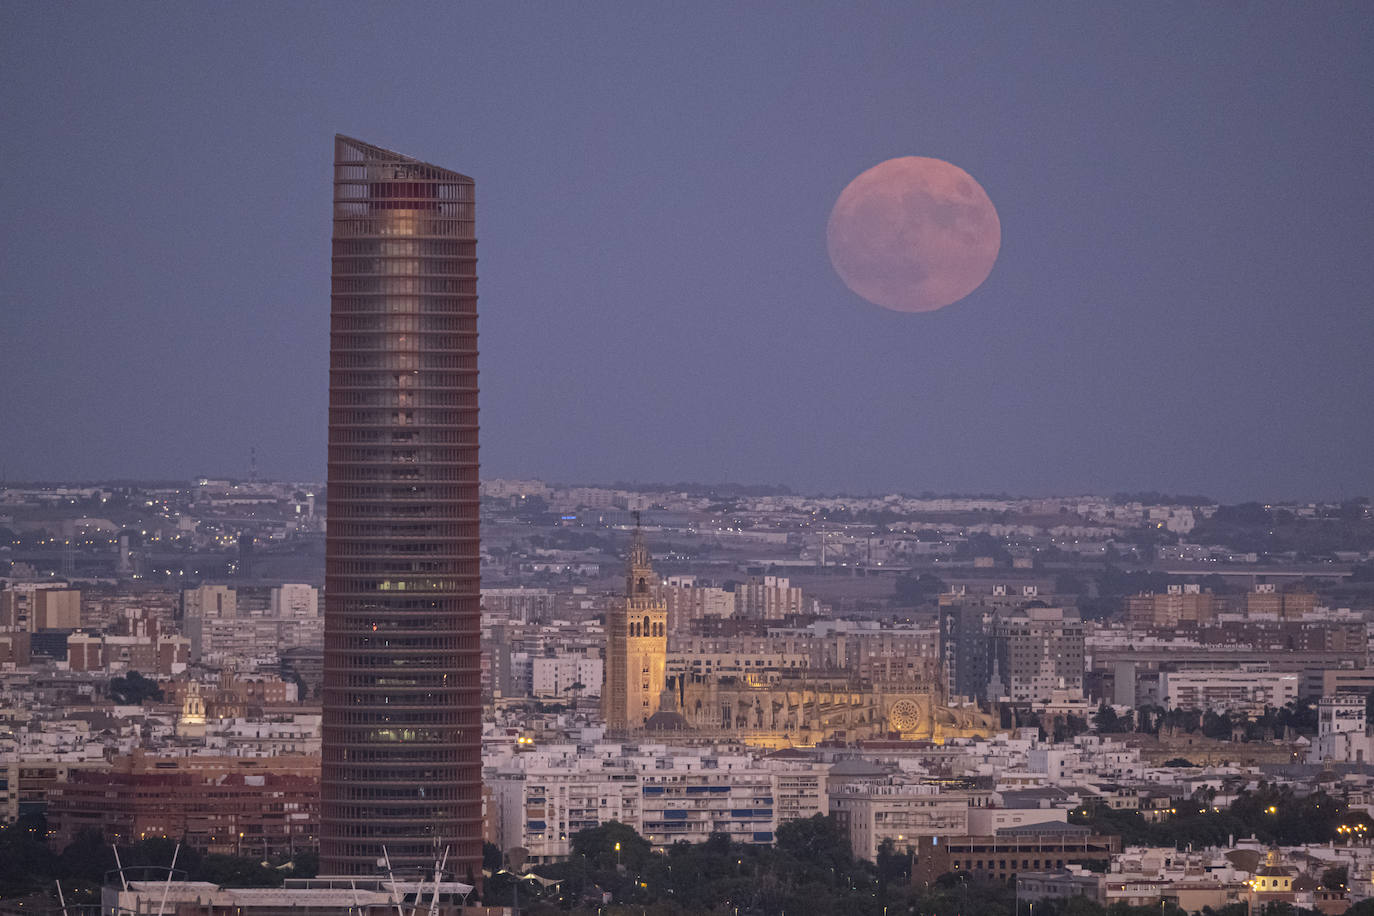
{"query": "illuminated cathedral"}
pixel 773 709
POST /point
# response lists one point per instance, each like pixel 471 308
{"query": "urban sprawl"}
pixel 977 702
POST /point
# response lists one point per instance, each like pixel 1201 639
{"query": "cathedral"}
pixel 773 709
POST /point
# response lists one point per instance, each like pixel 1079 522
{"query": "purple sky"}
pixel 1182 302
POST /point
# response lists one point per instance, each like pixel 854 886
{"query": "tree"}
pixel 238 871
pixel 492 859
pixel 598 846
pixel 305 865
pixel 909 590
pixel 133 689
pixel 1335 878
pixel 1108 722
pixel 1069 727
pixel 894 864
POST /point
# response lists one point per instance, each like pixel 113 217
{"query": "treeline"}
pixel 1298 717
pixel 29 866
pixel 809 871
pixel 1272 814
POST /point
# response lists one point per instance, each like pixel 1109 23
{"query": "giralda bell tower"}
pixel 402 695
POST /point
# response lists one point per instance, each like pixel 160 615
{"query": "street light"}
pixel 617 854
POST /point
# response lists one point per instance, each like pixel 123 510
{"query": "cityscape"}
pixel 1137 700
pixel 1036 577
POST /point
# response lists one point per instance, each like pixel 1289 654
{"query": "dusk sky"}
pixel 1182 300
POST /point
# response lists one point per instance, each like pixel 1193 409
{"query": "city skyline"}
pixel 1177 304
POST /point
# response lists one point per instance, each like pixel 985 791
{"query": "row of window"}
pixel 350 226
pixel 388 285
pixel 413 381
pixel 464 307
pixel 425 639
pixel 451 576
pixel 448 549
pixel 401 455
pixel 363 416
pixel 404 248
pixel 416 660
pixel 400 735
pixel 399 180
pixel 400 575
pixel 418 641
pixel 435 716
pixel 419 793
pixel 390 361
pixel 402 472
pixel 400 763
pixel 403 215
pixel 1001 864
pixel 353 176
pixel 405 763
pixel 357 822
pixel 404 267
pixel 365 855
pixel 451 511
pixel 403 322
pixel 354 683
pixel 645 628
pixel 399 341
pixel 426 192
pixel 404 491
pixel 408 439
pixel 399 611
pixel 436 531
pixel 462 575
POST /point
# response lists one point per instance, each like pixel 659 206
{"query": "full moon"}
pixel 913 234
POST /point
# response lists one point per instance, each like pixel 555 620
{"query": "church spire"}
pixel 639 575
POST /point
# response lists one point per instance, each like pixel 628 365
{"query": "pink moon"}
pixel 913 234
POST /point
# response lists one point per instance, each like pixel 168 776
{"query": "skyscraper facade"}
pixel 401 770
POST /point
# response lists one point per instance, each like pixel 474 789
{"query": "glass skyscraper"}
pixel 402 695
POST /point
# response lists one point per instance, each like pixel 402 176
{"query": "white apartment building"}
pixel 295 601
pixel 688 601
pixel 1342 734
pixel 1227 689
pixel 542 798
pixel 557 678
pixel 872 813
pixel 209 601
pixel 231 641
pixel 767 598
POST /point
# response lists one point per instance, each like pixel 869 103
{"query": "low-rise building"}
pixel 231 805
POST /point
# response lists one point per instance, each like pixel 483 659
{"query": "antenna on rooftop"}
pixel 252 464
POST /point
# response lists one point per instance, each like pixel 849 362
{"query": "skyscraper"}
pixel 636 646
pixel 402 695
